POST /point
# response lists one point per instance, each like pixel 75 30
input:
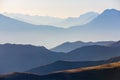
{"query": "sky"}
pixel 57 8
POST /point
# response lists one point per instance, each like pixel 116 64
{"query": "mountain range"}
pixel 100 28
pixel 53 21
pixel 69 46
pixel 21 58
pixel 92 53
pixel 65 65
pixel 26 57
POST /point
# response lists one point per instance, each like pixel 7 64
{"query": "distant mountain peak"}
pixel 111 10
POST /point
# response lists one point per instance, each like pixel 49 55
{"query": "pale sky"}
pixel 57 8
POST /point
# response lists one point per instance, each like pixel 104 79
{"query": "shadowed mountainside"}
pixel 65 65
pixel 16 57
pixel 92 53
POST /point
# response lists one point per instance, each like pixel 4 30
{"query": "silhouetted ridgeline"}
pixel 92 53
pixel 69 46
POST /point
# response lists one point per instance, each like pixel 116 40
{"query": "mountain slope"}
pixel 23 57
pixel 108 16
pixel 102 72
pixel 19 76
pixel 101 28
pixel 69 46
pixel 92 53
pixel 106 20
pixel 13 24
pixel 63 65
pixel 81 20
pixel 10 24
pixel 66 65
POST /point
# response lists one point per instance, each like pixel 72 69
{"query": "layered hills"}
pixel 102 72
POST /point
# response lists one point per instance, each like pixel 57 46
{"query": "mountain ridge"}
pixel 28 55
pixel 91 53
pixel 69 46
pixel 54 21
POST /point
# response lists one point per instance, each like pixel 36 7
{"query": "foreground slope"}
pixel 102 72
pixel 19 76
pixel 63 65
pixel 66 65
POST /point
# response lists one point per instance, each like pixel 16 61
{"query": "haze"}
pixel 57 8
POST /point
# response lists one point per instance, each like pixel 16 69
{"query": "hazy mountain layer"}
pixel 92 53
pixel 53 21
pixel 103 27
pixel 69 46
